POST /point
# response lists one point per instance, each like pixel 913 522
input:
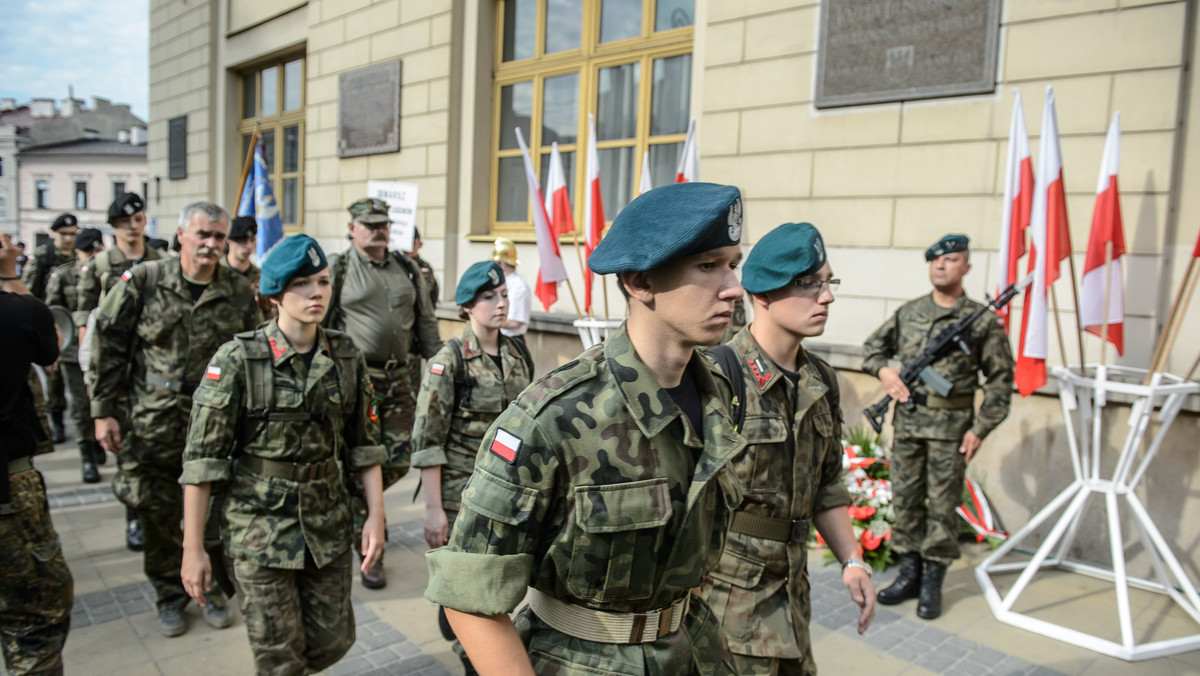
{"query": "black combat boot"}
pixel 930 604
pixel 57 433
pixel 908 582
pixel 99 455
pixel 89 450
pixel 134 541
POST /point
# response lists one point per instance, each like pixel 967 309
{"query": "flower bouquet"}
pixel 871 511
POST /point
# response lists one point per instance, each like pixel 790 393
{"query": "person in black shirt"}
pixel 36 588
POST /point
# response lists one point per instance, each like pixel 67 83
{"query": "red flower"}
pixel 862 512
pixel 870 541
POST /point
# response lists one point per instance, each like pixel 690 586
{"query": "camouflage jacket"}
pixel 906 333
pixel 593 488
pixel 166 335
pixel 431 282
pixel 791 470
pixel 100 274
pixel 62 289
pixel 253 274
pixel 36 273
pixel 269 521
pixel 446 433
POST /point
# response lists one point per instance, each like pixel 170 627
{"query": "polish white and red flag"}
pixel 1106 228
pixel 688 169
pixel 644 185
pixel 558 202
pixel 593 210
pixel 1018 203
pixel 1051 243
pixel 552 270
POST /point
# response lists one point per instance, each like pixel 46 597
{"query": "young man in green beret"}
pixel 603 492
pixel 939 436
pixel 791 470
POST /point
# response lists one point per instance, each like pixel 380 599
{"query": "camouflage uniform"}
pixel 36 277
pixel 447 434
pixel 252 274
pixel 611 502
pixel 156 346
pixel 100 274
pixel 925 458
pixel 415 366
pixel 289 540
pixel 790 471
pixel 62 289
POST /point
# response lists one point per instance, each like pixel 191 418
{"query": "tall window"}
pixel 272 102
pixel 1 166
pixel 629 62
pixel 80 195
pixel 118 189
pixel 42 193
pixel 3 208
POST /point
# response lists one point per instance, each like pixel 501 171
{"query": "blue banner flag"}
pixel 258 201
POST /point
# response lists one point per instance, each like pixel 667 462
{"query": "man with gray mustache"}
pixel 155 334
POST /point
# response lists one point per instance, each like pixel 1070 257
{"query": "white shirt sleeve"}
pixel 519 303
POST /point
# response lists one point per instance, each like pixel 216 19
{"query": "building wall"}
pixel 8 180
pixel 62 173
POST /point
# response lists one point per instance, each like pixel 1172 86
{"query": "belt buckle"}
pixel 800 528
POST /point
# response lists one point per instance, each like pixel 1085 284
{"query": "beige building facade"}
pixel 881 181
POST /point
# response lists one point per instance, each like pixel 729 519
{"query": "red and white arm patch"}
pixel 127 275
pixel 437 369
pixel 213 373
pixel 506 445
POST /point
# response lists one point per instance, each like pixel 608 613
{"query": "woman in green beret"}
pixel 466 386
pixel 285 426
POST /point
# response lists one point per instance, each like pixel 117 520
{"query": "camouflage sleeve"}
pixel 32 274
pixel 832 493
pixel 996 363
pixel 507 509
pixel 881 346
pixel 426 324
pixel 54 288
pixel 216 418
pixel 88 290
pixel 435 408
pixel 112 346
pixel 362 431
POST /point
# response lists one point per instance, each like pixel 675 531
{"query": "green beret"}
pixel 369 210
pixel 946 245
pixel 482 276
pixel 296 256
pixel 668 223
pixel 792 250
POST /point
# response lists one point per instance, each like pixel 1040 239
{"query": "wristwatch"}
pixel 855 563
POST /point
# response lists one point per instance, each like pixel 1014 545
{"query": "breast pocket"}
pixel 158 323
pixel 762 434
pixel 619 531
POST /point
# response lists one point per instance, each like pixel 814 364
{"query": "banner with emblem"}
pixel 258 202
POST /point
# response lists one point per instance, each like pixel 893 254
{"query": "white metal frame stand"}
pixel 592 331
pixel 1087 395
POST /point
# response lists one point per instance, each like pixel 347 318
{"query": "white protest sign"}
pixel 402 203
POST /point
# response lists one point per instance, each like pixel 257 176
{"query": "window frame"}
pixel 81 188
pixel 41 196
pixel 587 60
pixel 277 123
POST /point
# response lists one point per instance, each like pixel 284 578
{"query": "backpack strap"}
pixel 727 359
pixel 153 271
pixel 260 382
pixel 829 376
pixel 462 383
pixel 337 274
pixel 523 349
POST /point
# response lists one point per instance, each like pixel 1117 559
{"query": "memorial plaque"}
pixel 897 50
pixel 369 110
pixel 176 148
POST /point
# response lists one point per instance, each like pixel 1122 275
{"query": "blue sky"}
pixel 99 46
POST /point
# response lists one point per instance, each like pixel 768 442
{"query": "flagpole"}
pixel 1062 345
pixel 1167 340
pixel 604 289
pixel 248 163
pixel 571 290
pixel 1078 316
pixel 578 254
pixel 1108 249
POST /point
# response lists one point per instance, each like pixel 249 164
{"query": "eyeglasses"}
pixel 812 287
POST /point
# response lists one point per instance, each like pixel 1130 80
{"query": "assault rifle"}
pixel 949 338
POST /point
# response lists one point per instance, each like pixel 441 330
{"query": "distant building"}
pixel 69 158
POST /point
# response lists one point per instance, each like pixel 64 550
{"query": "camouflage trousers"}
pixel 397 409
pixel 36 588
pixel 745 665
pixel 56 399
pixel 298 621
pixel 80 403
pixel 927 470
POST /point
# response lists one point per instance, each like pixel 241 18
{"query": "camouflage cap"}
pixel 370 211
pixel 295 256
pixel 482 276
pixel 125 206
pixel 64 221
pixel 792 250
pixel 946 245
pixel 668 223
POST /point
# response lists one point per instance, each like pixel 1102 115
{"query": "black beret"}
pixel 125 206
pixel 64 221
pixel 87 239
pixel 243 227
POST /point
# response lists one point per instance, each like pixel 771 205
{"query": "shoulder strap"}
pixel 260 385
pixel 727 359
pixel 829 376
pixel 463 384
pixel 337 274
pixel 523 349
pixel 410 266
pixel 153 270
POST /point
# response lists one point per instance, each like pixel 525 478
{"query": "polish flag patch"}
pixel 213 373
pixel 437 369
pixel 127 275
pixel 506 446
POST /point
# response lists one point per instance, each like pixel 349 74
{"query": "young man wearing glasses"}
pixel 380 300
pixel 937 438
pixel 791 469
